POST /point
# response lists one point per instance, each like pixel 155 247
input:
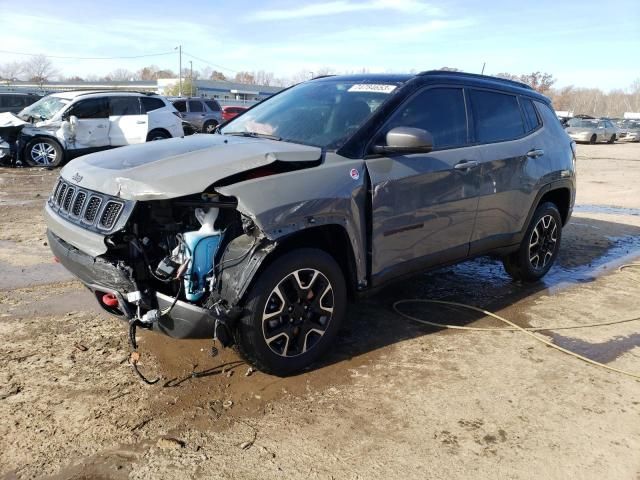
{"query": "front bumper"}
pixel 102 276
pixel 580 137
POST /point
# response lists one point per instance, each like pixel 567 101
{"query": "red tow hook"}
pixel 110 300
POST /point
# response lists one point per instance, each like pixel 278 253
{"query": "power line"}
pixel 209 63
pixel 89 58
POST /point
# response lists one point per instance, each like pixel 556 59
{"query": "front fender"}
pixel 333 193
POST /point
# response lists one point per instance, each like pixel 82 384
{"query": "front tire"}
pixel 612 139
pixel 293 312
pixel 539 248
pixel 43 152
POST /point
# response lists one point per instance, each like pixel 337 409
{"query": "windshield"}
pixel 43 109
pixel 323 114
pixel 583 122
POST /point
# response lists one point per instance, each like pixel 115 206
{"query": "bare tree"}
pixel 39 69
pixel 11 70
pixel 245 77
pixel 121 75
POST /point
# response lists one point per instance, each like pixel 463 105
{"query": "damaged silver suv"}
pixel 260 234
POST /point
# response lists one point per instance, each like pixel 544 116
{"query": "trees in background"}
pixel 591 101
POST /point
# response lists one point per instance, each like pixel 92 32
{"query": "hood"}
pixel 9 121
pixel 177 167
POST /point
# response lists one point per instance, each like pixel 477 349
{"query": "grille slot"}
pixel 78 203
pixel 63 189
pixel 110 214
pixel 92 209
pixel 67 198
pixel 56 191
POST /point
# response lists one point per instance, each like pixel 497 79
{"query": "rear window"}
pixel 180 105
pixel 496 116
pixel 150 104
pixel 124 106
pixel 533 122
pixel 195 106
pixel 212 105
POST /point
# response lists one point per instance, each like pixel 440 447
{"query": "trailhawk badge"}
pixel 355 174
pixel 77 178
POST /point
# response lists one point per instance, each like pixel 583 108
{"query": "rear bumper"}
pixel 102 276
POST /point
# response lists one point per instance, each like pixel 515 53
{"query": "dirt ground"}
pixel 393 400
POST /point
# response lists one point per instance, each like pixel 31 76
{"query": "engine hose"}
pixel 135 355
pixel 513 327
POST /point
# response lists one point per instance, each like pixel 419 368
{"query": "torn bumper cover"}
pixel 103 276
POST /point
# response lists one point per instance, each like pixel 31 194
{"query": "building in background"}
pixel 226 93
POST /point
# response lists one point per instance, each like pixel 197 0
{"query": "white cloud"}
pixel 344 6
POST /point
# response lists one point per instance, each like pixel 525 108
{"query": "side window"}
pixel 212 105
pixel 149 104
pixel 91 108
pixel 440 111
pixel 496 116
pixel 180 105
pixel 533 122
pixel 11 101
pixel 124 106
pixel 195 106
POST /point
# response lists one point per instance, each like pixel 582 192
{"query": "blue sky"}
pixel 584 43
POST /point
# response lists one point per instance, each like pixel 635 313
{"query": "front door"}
pixel 128 125
pixel 424 205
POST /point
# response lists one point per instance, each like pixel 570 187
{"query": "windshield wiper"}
pixel 254 135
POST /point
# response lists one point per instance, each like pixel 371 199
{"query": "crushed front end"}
pixel 179 265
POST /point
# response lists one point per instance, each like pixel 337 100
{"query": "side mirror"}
pixel 73 120
pixel 406 140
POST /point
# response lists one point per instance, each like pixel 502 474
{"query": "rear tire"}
pixel 209 127
pixel 593 139
pixel 43 152
pixel 292 313
pixel 154 135
pixel 539 247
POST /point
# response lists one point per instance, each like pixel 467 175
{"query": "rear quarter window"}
pixel 530 114
pixel 496 116
pixel 212 105
pixel 149 104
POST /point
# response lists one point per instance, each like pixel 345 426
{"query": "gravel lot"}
pixel 393 400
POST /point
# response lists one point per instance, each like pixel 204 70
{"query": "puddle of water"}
pixel 12 276
pixel 606 209
pixel 603 352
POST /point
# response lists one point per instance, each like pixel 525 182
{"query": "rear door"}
pixel 90 127
pixel 424 204
pixel 196 113
pixel 127 124
pixel 512 149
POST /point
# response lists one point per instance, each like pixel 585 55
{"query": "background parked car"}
pixel 63 125
pixel 203 113
pixel 230 112
pixel 632 131
pixel 592 130
pixel 14 101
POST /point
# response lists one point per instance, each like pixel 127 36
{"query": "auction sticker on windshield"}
pixel 372 87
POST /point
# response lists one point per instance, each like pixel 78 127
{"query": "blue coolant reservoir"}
pixel 203 245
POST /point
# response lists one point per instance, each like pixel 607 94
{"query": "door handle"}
pixel 535 153
pixel 466 165
pixel 141 122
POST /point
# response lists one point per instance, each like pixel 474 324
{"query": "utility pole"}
pixel 180 71
pixel 483 65
pixel 191 77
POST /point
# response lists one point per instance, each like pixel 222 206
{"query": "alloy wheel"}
pixel 298 312
pixel 543 242
pixel 43 153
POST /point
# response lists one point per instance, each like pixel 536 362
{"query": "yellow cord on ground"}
pixel 514 327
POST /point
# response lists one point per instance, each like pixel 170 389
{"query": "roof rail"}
pixel 477 75
pixel 107 90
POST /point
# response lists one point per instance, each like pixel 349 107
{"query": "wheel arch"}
pixel 159 130
pixel 25 139
pixel 561 197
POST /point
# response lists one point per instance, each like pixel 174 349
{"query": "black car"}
pixel 14 102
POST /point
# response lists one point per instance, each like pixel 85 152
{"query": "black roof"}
pixel 458 77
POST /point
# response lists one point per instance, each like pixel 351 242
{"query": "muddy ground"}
pixel 393 400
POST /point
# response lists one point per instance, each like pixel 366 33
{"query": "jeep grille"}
pixel 89 209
